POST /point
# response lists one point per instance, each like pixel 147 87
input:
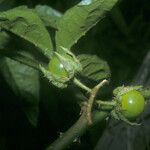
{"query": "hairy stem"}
pixel 105 105
pixel 81 85
pixel 76 130
pixel 110 103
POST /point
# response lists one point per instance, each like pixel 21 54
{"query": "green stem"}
pixel 105 105
pixel 76 131
pixel 110 103
pixel 81 85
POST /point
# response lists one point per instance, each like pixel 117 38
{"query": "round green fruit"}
pixel 132 104
pixel 57 68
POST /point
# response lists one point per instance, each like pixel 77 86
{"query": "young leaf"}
pixel 79 19
pixel 93 67
pixel 26 24
pixel 24 81
pixel 48 15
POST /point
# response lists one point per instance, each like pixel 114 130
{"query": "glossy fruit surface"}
pixel 132 104
pixel 57 68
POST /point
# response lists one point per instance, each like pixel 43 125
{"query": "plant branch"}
pixel 105 105
pixel 81 85
pixel 92 98
pixel 76 130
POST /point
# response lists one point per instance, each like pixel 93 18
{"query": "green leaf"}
pixel 4 39
pixel 24 81
pixel 93 67
pixel 26 24
pixel 48 15
pixel 79 19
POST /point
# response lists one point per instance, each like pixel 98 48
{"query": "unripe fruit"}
pixel 57 68
pixel 132 104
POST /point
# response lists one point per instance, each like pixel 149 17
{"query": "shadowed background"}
pixel 122 39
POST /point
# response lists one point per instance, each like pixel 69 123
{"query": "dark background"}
pixel 122 38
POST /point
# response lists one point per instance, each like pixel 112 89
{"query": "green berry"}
pixel 57 68
pixel 132 104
